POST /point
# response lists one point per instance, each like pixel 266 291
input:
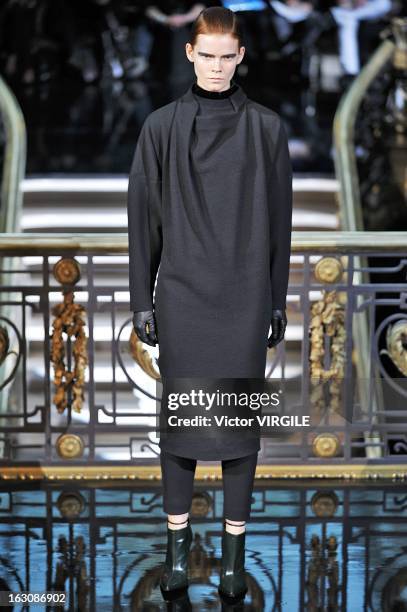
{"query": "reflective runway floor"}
pixel 310 545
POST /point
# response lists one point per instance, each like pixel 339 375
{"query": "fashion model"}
pixel 210 211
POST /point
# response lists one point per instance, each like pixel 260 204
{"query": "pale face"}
pixel 215 57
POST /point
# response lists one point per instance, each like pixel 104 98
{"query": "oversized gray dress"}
pixel 210 204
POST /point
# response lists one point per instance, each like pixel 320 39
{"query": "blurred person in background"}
pixel 174 13
pixel 258 29
pixel 276 29
pixel 168 23
pixel 29 51
pixel 343 16
pixel 348 14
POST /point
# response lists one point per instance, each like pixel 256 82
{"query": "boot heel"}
pixel 174 577
pixel 232 583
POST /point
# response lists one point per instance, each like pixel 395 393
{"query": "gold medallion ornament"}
pixel 142 357
pixel 327 319
pixel 325 445
pixel 70 446
pixel 69 320
pixel 67 271
pixel 328 270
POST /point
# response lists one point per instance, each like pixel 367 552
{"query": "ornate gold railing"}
pixel 68 292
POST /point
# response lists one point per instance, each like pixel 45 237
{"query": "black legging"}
pixel 237 476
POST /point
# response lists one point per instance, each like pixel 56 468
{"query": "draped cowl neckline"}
pixel 186 125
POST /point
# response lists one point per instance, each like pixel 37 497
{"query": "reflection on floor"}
pixel 310 545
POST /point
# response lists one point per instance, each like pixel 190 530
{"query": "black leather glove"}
pixel 278 325
pixel 145 327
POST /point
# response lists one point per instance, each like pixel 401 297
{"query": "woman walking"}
pixel 210 205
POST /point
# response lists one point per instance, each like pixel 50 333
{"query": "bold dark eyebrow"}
pixel 211 54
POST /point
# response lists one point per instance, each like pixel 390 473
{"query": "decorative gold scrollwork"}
pixel 70 446
pixel 142 357
pixel 69 319
pixel 5 352
pixel 327 319
pixel 4 344
pixel 396 342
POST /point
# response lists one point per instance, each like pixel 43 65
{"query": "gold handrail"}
pixel 14 159
pixel 302 241
pixel 13 172
pixel 343 133
pixel 351 216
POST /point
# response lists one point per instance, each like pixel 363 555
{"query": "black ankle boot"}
pixel 232 577
pixel 174 578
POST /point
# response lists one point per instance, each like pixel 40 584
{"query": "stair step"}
pixel 90 220
pixel 317 192
pixel 51 204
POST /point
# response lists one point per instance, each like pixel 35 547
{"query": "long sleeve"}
pixel 144 220
pixel 281 220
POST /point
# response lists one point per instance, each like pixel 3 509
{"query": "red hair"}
pixel 216 20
